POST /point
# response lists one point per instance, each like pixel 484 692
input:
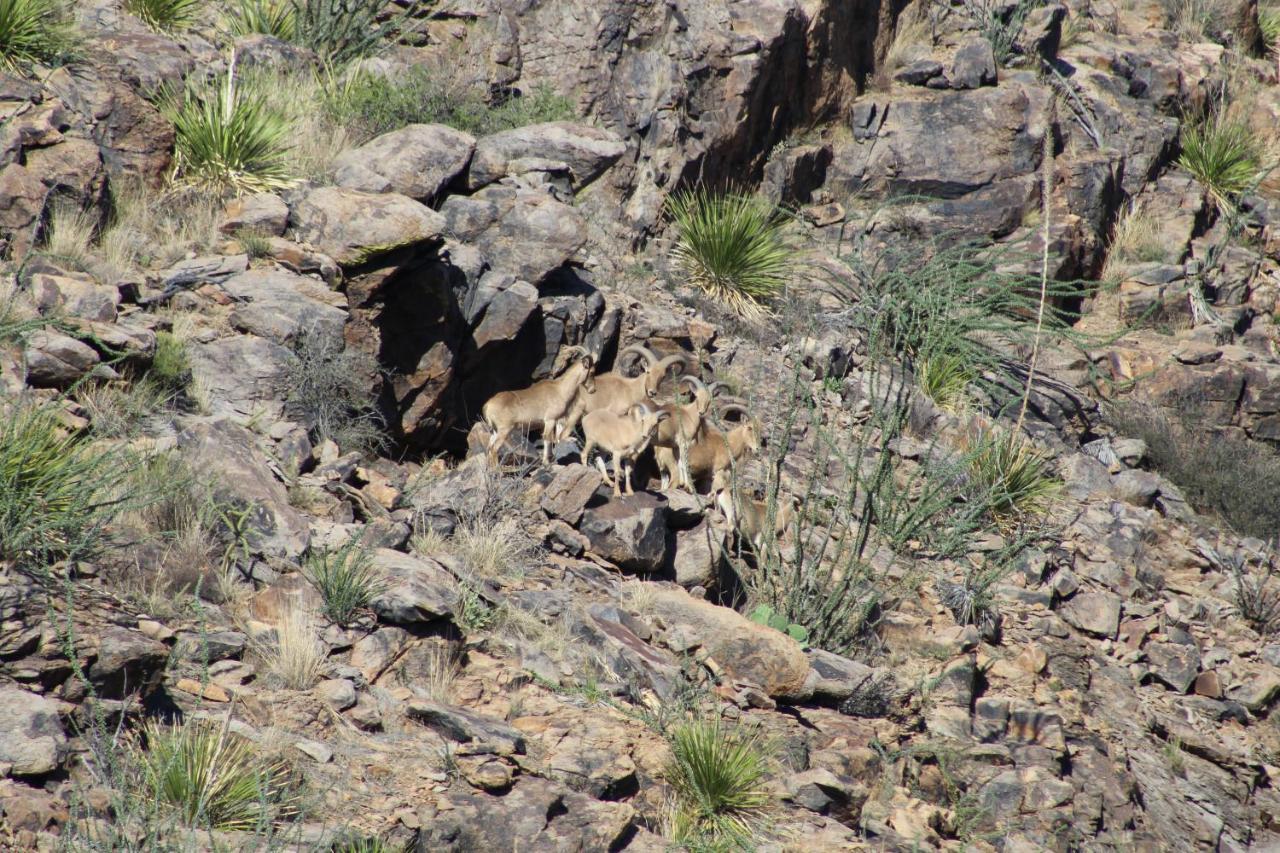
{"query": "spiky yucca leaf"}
pixel 1223 154
pixel 276 18
pixel 732 246
pixel 211 777
pixel 228 137
pixel 32 31
pixel 345 578
pixel 1269 23
pixel 944 379
pixel 165 15
pixel 718 775
pixel 1010 475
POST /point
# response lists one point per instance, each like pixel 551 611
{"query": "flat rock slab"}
pixel 280 306
pixel 568 493
pixel 1093 612
pixel 355 227
pixel 465 727
pixel 525 233
pixel 587 151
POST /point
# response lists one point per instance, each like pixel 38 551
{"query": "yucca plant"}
pixel 32 31
pixel 211 777
pixel 342 30
pixel 732 246
pixel 944 379
pixel 718 775
pixel 1223 154
pixel 1269 23
pixel 165 15
pixel 276 18
pixel 57 490
pixel 1009 476
pixel 228 137
pixel 345 578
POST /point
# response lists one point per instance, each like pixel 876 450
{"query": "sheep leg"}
pixel 627 472
pixel 604 472
pixel 682 457
pixel 496 442
pixel 617 474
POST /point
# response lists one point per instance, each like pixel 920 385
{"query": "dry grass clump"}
pixel 297 657
pixel 150 227
pixel 497 550
pixel 1135 239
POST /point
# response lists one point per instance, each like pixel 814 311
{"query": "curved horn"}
pixel 643 409
pixel 734 407
pixel 661 368
pixel 643 351
pixel 694 381
pixel 714 386
pixel 574 348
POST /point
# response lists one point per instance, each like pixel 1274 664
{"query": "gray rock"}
pixel 414 590
pixel 919 72
pixel 32 741
pixel 355 227
pixel 507 309
pixel 835 678
pixel 974 65
pixel 264 214
pixel 587 151
pixel 522 232
pixel 211 646
pixel 279 305
pixel 314 750
pixel 229 456
pixel 55 360
pixel 819 790
pixel 78 296
pixel 418 161
pixel 244 376
pixel 698 557
pixel 568 493
pixel 1176 664
pixel 372 654
pixel 629 531
pixel 465 727
pixel 1139 488
pixel 128 662
pixel 1094 612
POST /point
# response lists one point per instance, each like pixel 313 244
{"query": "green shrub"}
pixel 1224 154
pixel 170 368
pixel 227 136
pixel 732 246
pixel 342 30
pixel 763 614
pixel 368 104
pixel 32 31
pixel 57 490
pixel 210 777
pixel 345 578
pixel 1010 476
pixel 165 15
pixel 276 18
pixel 719 778
pixel 1219 472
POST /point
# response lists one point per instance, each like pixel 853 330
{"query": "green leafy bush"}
pixel 345 578
pixel 944 379
pixel 170 368
pixel 731 245
pixel 342 30
pixel 1222 153
pixel 211 777
pixel 32 31
pixel 368 104
pixel 1269 23
pixel 719 777
pixel 165 15
pixel 276 18
pixel 57 490
pixel 228 137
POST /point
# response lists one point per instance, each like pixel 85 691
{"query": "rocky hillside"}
pixel 1014 369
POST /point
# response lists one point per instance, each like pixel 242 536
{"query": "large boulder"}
pixel 745 650
pixel 128 662
pixel 243 376
pixel 55 360
pixel 587 151
pixel 417 161
pixel 520 231
pixel 629 531
pixel 22 209
pixel 412 590
pixel 229 456
pixel 355 227
pixel 32 741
